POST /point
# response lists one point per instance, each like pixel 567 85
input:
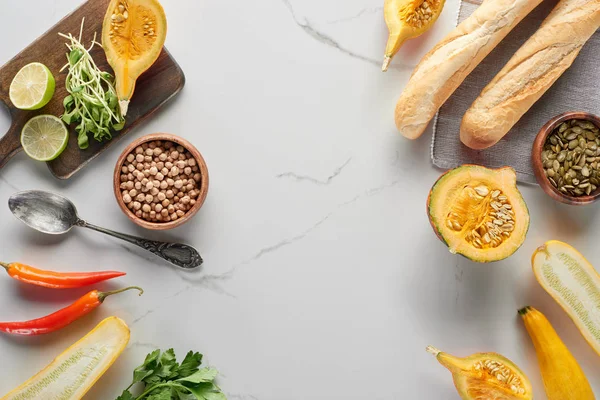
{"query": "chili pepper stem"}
pixel 104 295
pixel 6 266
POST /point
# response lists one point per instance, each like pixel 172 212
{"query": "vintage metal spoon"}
pixel 54 214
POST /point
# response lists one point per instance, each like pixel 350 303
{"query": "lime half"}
pixel 44 137
pixel 32 87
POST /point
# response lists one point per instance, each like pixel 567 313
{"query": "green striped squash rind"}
pixel 575 285
pixel 79 367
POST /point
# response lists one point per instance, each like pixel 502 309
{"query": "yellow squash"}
pixel 485 376
pixel 574 283
pixel 563 377
pixel 77 369
pixel 133 35
pixel 407 19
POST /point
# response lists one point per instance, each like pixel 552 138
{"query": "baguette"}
pixel 530 72
pixel 445 67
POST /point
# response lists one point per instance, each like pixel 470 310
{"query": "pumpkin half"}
pixel 485 376
pixel 479 212
pixel 133 35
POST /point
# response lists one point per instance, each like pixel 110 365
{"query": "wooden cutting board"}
pixel 154 88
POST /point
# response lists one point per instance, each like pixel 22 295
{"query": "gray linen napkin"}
pixel 577 90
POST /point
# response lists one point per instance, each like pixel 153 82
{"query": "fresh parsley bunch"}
pixel 164 379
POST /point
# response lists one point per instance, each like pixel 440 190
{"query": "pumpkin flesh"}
pixel 479 212
pixel 133 35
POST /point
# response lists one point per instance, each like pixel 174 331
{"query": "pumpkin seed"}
pixel 573 143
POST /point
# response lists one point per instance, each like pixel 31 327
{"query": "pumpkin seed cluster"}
pixel 502 373
pixel 422 14
pixel 571 158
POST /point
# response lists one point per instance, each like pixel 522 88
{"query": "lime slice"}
pixel 44 137
pixel 32 87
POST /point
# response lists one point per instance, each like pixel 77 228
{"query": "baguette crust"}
pixel 446 66
pixel 530 72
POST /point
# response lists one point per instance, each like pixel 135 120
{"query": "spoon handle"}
pixel 178 254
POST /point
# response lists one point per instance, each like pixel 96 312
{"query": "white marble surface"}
pixel 323 279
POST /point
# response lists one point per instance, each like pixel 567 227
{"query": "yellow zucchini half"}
pixel 77 369
pixel 574 283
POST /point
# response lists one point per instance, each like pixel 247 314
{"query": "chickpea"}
pixel 185 200
pixel 195 168
pixel 176 199
pixel 126 198
pixel 180 148
pixel 133 192
pixel 152 145
pixel 140 197
pixel 174 171
pixel 187 171
pixel 157 151
pixel 160 176
pixel 152 214
pixel 192 162
pixel 166 203
pixel 130 168
pixel 164 185
pixel 137 205
pixel 124 170
pixel 197 177
pixel 171 208
pixel 168 145
pixel 159 217
pixel 174 217
pixel 180 164
pixel 164 213
pixel 178 184
pixel 139 213
pixel 129 177
pixel 190 187
pixel 170 194
pixel 130 157
pixel 123 185
pixel 170 182
pixel 139 166
pixel 138 185
pixel 146 173
pixel 164 171
pixel 147 159
pixel 154 191
pixel 160 165
pixel 192 202
pixel 161 196
pixel 158 208
pixel 180 213
pixel 123 178
pixel 168 165
pixel 182 157
pixel 162 157
pixel 130 205
pixel 139 150
pixel 149 198
pixel 153 171
pixel 146 208
pixel 139 158
pixel 156 183
pixel 177 207
pixel 144 181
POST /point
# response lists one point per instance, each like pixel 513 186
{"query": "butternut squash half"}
pixel 133 35
pixel 479 212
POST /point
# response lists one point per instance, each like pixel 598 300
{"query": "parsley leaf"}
pixel 162 378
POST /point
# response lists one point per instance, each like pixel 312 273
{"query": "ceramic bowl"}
pixel 538 167
pixel 203 170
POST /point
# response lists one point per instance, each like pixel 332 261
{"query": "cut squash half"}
pixel 574 283
pixel 77 369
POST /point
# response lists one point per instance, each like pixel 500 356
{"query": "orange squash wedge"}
pixel 133 35
pixel 485 376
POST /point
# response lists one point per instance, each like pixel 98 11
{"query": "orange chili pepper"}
pixel 61 318
pixel 57 280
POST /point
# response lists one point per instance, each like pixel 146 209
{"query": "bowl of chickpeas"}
pixel 160 181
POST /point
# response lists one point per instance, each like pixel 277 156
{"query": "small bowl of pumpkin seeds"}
pixel 566 158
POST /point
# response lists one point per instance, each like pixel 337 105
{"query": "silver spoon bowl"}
pixel 53 214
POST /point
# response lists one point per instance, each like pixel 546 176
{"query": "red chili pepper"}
pixel 61 318
pixel 57 280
